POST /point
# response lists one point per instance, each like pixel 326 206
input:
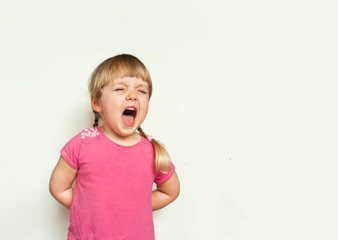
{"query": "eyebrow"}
pixel 145 84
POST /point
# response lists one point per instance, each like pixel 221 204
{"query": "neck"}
pixel 129 140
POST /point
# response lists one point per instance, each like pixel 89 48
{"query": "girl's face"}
pixel 123 106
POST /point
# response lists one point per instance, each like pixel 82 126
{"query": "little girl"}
pixel 114 165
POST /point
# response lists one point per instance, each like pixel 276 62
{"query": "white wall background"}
pixel 245 99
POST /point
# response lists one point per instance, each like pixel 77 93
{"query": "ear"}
pixel 96 105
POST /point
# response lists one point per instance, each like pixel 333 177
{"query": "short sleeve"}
pixel 71 151
pixel 163 177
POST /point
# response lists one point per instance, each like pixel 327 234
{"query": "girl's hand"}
pixel 166 192
pixel 61 181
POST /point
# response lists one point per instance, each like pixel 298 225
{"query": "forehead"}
pixel 130 81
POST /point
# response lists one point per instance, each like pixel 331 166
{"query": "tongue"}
pixel 128 120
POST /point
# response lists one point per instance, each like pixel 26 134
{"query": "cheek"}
pixel 111 105
pixel 144 109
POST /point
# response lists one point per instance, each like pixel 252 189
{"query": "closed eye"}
pixel 142 91
pixel 118 89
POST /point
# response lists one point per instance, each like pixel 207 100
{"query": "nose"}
pixel 131 96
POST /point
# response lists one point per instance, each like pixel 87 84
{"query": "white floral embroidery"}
pixel 89 132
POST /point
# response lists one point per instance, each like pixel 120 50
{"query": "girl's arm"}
pixel 60 185
pixel 166 192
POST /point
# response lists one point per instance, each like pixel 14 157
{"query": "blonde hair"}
pixel 120 66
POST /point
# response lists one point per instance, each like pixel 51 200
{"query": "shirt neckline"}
pixel 119 145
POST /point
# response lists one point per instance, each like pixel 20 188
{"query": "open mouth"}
pixel 128 116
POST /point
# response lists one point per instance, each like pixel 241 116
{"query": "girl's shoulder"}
pixel 86 135
pixel 75 147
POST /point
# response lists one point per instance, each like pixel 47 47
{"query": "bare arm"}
pixel 166 192
pixel 60 185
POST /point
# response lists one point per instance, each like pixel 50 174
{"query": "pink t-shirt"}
pixel 112 194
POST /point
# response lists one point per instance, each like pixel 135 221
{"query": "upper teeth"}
pixel 130 108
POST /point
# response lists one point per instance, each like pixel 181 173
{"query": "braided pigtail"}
pixel 96 120
pixel 162 158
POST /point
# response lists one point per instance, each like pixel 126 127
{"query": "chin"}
pixel 126 133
